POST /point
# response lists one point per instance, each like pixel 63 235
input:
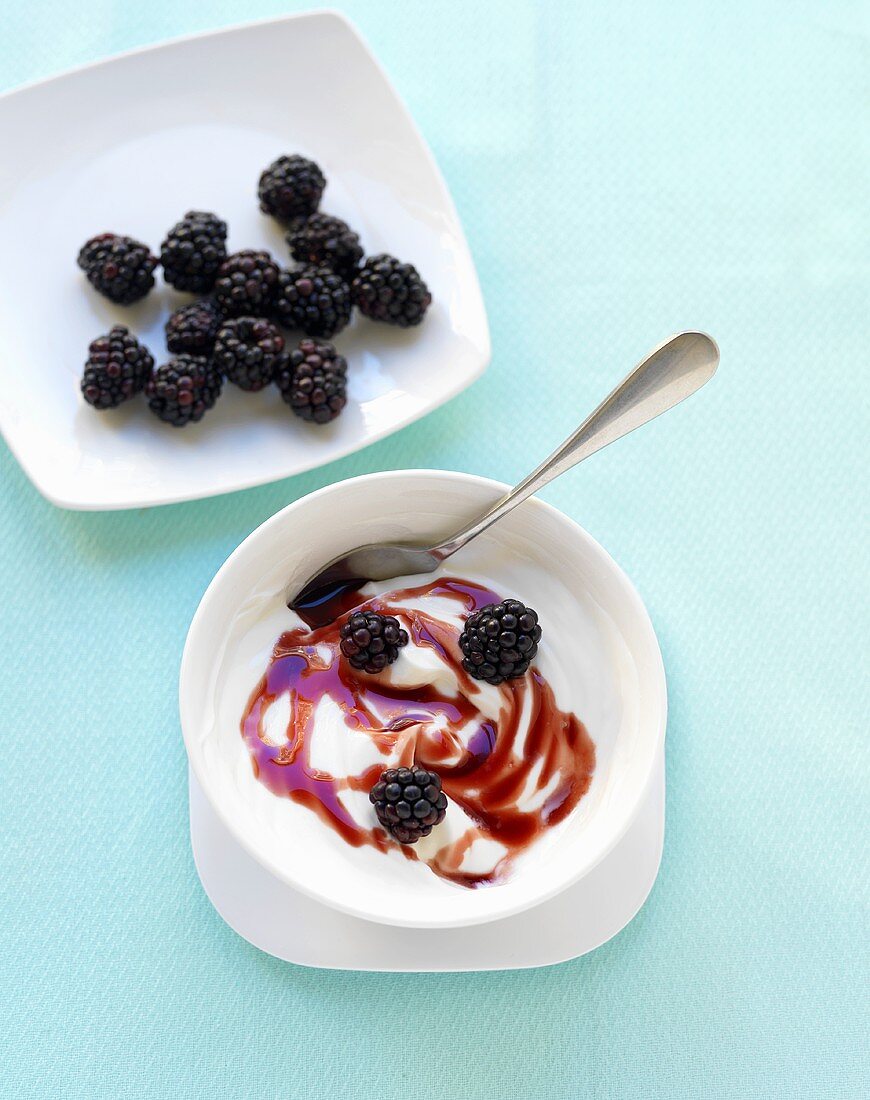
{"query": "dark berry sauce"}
pixel 485 773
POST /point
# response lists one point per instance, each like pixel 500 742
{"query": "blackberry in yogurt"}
pixel 509 764
pixel 409 802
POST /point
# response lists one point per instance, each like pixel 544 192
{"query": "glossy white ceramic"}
pixel 278 919
pixel 292 844
pixel 129 145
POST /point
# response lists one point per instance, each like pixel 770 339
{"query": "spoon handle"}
pixel 667 376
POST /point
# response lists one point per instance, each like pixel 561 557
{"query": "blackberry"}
pixel 184 389
pixel 246 283
pixel 118 367
pixel 323 239
pixel 313 299
pixel 409 802
pixel 313 381
pixel 371 641
pixel 291 188
pixel 390 291
pixel 193 328
pixel 118 267
pixel 193 251
pixel 246 351
pixel 500 641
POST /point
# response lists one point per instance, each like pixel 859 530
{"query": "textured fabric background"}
pixel 622 171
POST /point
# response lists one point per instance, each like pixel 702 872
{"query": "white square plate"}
pixel 128 145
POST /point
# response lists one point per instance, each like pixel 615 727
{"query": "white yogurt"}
pixel 581 655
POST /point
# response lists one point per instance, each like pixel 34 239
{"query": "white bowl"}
pixel 533 553
pixel 127 145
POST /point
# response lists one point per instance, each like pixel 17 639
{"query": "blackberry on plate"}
pixel 193 328
pixel 409 802
pixel 313 381
pixel 500 641
pixel 118 367
pixel 184 389
pixel 313 299
pixel 387 290
pixel 323 239
pixel 291 188
pixel 246 351
pixel 193 251
pixel 371 641
pixel 118 267
pixel 246 283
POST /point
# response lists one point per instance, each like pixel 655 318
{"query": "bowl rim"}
pixel 624 816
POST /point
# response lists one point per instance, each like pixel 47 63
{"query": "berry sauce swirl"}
pixel 514 778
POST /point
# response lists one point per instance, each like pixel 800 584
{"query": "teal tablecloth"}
pixel 622 170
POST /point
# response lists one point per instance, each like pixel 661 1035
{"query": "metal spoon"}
pixel 668 375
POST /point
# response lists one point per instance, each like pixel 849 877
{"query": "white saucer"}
pixel 291 926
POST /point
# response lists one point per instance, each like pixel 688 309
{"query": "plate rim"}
pixel 69 502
